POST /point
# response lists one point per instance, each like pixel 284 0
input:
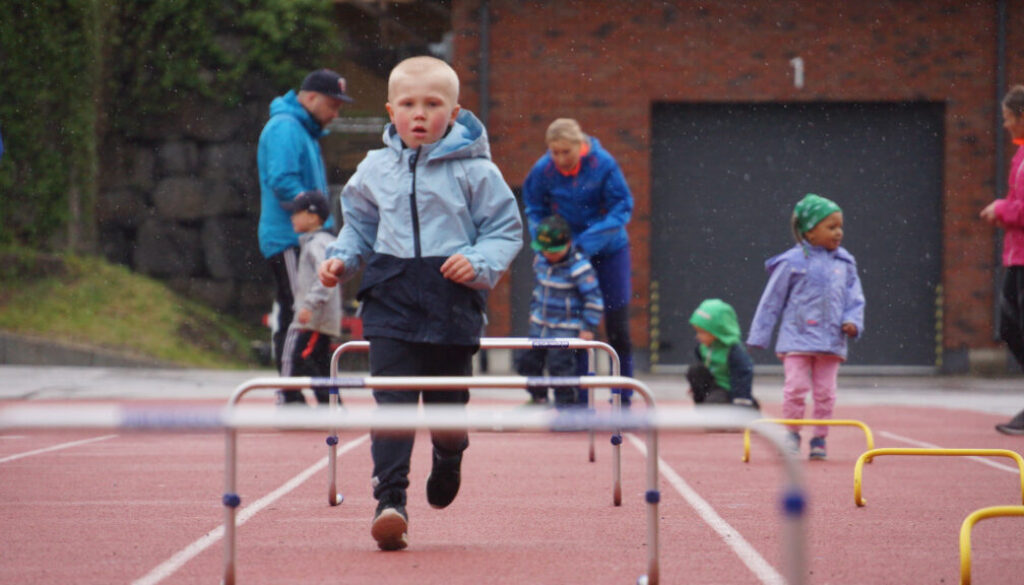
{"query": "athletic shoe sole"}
pixel 1010 430
pixel 390 530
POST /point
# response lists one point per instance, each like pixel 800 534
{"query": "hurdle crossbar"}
pixel 858 469
pixel 807 422
pixel 965 534
pixel 233 419
pixel 334 497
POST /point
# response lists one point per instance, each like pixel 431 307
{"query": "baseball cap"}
pixel 326 82
pixel 313 201
pixel 552 235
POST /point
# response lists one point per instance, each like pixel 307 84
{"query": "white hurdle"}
pixel 233 419
pixel 334 497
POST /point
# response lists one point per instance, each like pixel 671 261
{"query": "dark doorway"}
pixel 725 178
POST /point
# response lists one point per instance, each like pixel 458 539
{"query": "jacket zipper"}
pixel 412 204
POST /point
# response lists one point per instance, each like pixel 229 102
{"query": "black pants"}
pixel 703 386
pixel 307 353
pixel 392 450
pixel 1011 312
pixel 283 266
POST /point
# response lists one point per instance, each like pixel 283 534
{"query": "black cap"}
pixel 313 201
pixel 328 83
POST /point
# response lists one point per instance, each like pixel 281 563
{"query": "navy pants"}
pixel 392 450
pixel 614 272
pixel 559 362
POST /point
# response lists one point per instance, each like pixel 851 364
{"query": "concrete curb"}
pixel 35 351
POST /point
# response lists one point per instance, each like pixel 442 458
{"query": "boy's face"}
pixel 555 257
pixel 306 221
pixel 704 337
pixel 421 106
pixel 828 233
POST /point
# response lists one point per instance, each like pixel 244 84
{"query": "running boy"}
pixel 566 302
pixel 307 346
pixel 815 289
pixel 724 372
pixel 436 225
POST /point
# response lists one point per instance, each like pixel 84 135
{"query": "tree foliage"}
pixel 65 65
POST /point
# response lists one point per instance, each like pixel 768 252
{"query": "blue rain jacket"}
pixel 596 201
pixel 290 162
pixel 567 294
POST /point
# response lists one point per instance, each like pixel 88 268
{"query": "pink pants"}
pixel 814 373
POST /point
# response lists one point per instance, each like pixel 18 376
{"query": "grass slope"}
pixel 90 301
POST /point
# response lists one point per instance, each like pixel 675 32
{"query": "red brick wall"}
pixel 605 62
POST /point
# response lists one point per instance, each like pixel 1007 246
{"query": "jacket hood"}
pixel 467 138
pixel 718 318
pixel 289 104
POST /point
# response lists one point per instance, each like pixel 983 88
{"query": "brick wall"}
pixel 605 62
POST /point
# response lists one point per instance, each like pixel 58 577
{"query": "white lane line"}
pixel 982 460
pixel 747 553
pixel 55 448
pixel 178 560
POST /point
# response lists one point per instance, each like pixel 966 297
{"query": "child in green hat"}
pixel 724 371
pixel 815 295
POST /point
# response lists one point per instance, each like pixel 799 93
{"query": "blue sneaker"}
pixel 818 452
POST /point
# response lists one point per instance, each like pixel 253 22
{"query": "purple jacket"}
pixel 815 292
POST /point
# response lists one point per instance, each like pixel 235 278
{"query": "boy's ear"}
pixel 455 113
pixel 391 114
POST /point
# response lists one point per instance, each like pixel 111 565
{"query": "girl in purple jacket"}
pixel 815 289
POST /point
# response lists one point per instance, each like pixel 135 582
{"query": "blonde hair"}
pixel 423 66
pixel 565 129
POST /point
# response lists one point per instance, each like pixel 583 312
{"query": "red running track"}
pixel 111 507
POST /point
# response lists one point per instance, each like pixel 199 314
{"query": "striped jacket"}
pixel 567 294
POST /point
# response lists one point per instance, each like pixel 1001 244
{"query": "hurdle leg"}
pixel 333 497
pixel 965 534
pixel 591 370
pixel 231 502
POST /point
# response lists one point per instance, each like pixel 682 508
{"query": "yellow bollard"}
pixel 965 534
pixel 807 422
pixel 868 455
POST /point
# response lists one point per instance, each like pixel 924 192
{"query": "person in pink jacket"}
pixel 1008 215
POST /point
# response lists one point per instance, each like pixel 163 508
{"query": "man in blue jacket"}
pixel 290 163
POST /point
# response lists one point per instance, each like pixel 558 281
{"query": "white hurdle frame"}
pixel 233 419
pixel 334 497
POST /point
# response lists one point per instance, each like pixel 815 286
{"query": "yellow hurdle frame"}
pixel 965 534
pixel 807 422
pixel 868 455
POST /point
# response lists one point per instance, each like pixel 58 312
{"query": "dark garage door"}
pixel 726 177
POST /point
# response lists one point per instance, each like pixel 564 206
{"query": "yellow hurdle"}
pixel 809 422
pixel 868 455
pixel 965 534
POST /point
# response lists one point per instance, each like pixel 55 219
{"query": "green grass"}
pixel 87 300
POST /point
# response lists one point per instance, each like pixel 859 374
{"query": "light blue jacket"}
pixel 289 163
pixel 463 205
pixel 596 201
pixel 815 291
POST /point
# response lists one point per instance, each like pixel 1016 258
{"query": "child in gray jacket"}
pixel 307 345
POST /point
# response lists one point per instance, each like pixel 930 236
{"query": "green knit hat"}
pixel 811 210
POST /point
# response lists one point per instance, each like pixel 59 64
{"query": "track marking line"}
pixel 178 560
pixel 1014 469
pixel 747 553
pixel 55 448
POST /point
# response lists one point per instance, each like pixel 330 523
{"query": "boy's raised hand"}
pixel 458 268
pixel 586 335
pixel 330 271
